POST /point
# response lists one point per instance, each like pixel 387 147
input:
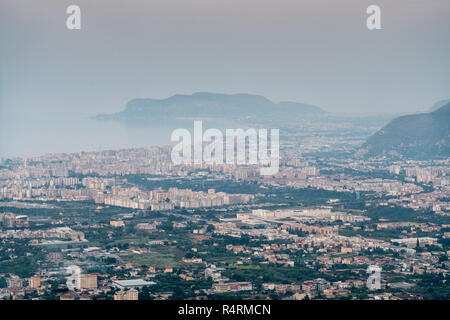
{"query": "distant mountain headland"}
pixel 439 104
pixel 417 136
pixel 210 106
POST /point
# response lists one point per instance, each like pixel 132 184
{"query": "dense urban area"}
pixel 138 227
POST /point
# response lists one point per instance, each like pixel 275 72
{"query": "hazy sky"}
pixel 314 51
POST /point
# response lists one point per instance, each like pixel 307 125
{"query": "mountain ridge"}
pixel 209 105
pixel 438 105
pixel 414 136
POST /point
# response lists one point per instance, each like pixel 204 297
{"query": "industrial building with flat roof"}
pixel 134 283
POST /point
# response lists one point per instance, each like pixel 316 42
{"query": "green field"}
pixel 159 257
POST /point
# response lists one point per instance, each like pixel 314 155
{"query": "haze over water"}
pixel 38 134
